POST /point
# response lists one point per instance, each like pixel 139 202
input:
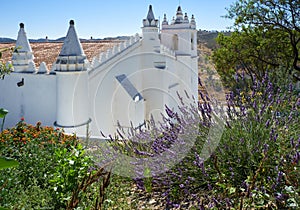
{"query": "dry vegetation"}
pixel 48 51
pixel 210 79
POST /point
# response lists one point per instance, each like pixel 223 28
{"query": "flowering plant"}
pixel 53 169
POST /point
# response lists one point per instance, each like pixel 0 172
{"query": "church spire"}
pixel 150 21
pixel 71 56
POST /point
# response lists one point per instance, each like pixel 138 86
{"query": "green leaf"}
pixel 7 163
pixel 3 112
pixel 232 190
pixel 223 186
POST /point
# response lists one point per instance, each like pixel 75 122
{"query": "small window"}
pixel 192 42
pixel 175 42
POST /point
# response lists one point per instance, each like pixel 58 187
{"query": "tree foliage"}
pixel 266 37
pixel 4 69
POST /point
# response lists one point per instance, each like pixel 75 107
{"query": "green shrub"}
pixel 51 168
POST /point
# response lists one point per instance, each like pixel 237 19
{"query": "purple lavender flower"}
pixel 275 137
pixel 278 101
pixel 209 186
pixel 296 158
pixel 279 177
pixel 267 123
pixel 227 200
pixel 270 96
pixel 290 87
pixel 176 205
pixel 236 77
pixel 254 105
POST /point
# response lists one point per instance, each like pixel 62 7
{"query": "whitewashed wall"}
pixel 35 100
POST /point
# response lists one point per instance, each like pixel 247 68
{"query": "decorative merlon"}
pixel 43 69
pixel 31 67
pixel 115 50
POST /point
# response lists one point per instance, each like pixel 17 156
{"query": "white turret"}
pixel 150 40
pixel 153 66
pixel 71 56
pixel 22 57
pixel 181 34
pixel 181 37
pixel 72 85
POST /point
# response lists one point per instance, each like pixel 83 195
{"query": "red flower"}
pixel 22 118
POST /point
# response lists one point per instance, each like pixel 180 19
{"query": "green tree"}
pixel 266 38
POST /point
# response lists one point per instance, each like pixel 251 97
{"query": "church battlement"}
pixel 114 51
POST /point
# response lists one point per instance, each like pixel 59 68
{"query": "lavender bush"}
pixel 254 165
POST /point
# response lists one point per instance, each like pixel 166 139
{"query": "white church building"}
pixel 125 85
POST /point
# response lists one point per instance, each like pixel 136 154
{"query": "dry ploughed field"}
pixel 48 51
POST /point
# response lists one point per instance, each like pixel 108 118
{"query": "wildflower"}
pixel 243 99
pixel 22 119
pixel 259 93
